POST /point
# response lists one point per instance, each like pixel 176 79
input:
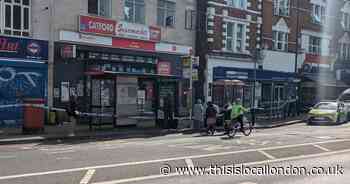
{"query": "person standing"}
pixel 210 114
pixel 168 111
pixel 73 114
pixel 198 115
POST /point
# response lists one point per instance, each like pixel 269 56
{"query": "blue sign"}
pixel 228 73
pixel 23 48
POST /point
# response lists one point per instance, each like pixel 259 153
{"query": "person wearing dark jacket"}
pixel 168 111
pixel 210 115
pixel 72 113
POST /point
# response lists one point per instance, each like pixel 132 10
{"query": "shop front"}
pixel 23 76
pixel 319 80
pixel 271 87
pixel 126 78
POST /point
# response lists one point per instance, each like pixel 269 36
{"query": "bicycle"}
pixel 236 126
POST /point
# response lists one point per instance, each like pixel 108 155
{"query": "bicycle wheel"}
pixel 247 128
pixel 233 130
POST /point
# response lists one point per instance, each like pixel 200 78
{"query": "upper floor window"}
pixel 15 17
pixel 280 40
pixel 134 11
pixel 281 7
pixel 315 45
pixel 344 51
pixel 166 13
pixel 100 7
pixel 241 4
pixel 318 14
pixel 346 21
pixel 235 38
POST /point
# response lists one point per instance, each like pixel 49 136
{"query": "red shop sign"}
pixel 133 44
pixel 89 24
pixel 164 68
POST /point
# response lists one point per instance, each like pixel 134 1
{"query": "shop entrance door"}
pixel 103 101
pixel 279 94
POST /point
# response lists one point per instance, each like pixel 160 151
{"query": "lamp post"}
pixel 296 52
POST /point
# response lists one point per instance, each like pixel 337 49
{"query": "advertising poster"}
pixel 64 91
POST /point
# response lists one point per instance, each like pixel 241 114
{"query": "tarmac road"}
pixel 140 159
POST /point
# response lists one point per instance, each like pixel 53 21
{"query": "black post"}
pixel 296 55
pixel 254 84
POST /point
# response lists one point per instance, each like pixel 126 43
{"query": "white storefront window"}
pixel 15 17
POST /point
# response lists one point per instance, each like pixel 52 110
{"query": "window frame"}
pixel 133 16
pixel 313 48
pixel 321 14
pixel 346 20
pixel 275 40
pixel 285 11
pixel 11 31
pixel 344 51
pixel 237 4
pixel 167 13
pixel 234 37
pixel 99 9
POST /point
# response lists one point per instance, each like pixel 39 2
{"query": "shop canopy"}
pixel 230 73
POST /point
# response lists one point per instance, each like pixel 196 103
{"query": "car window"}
pixel 326 106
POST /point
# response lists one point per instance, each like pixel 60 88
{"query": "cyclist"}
pixel 237 112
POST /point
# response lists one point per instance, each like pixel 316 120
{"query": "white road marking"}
pixel 64 158
pixel 321 147
pixel 245 164
pixel 86 179
pixel 269 156
pixel 248 183
pixel 7 156
pixel 61 152
pixel 324 137
pixel 185 157
pixel 131 180
pixel 189 163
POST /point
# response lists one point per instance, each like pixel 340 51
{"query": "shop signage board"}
pixel 97 25
pixel 22 48
pixel 109 27
pixel 133 44
pixel 85 38
pixel 164 68
pixel 173 48
pixel 137 31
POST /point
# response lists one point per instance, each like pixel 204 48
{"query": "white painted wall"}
pixel 281 61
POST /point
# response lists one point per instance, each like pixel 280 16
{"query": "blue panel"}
pixel 248 74
pixel 13 47
pixel 16 84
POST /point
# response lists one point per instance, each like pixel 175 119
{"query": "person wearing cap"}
pixel 237 112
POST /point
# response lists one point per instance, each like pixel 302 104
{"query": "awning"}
pixel 231 73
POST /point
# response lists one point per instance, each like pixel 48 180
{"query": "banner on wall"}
pixel 22 48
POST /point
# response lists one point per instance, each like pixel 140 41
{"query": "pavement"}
pixel 14 135
pixel 140 160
